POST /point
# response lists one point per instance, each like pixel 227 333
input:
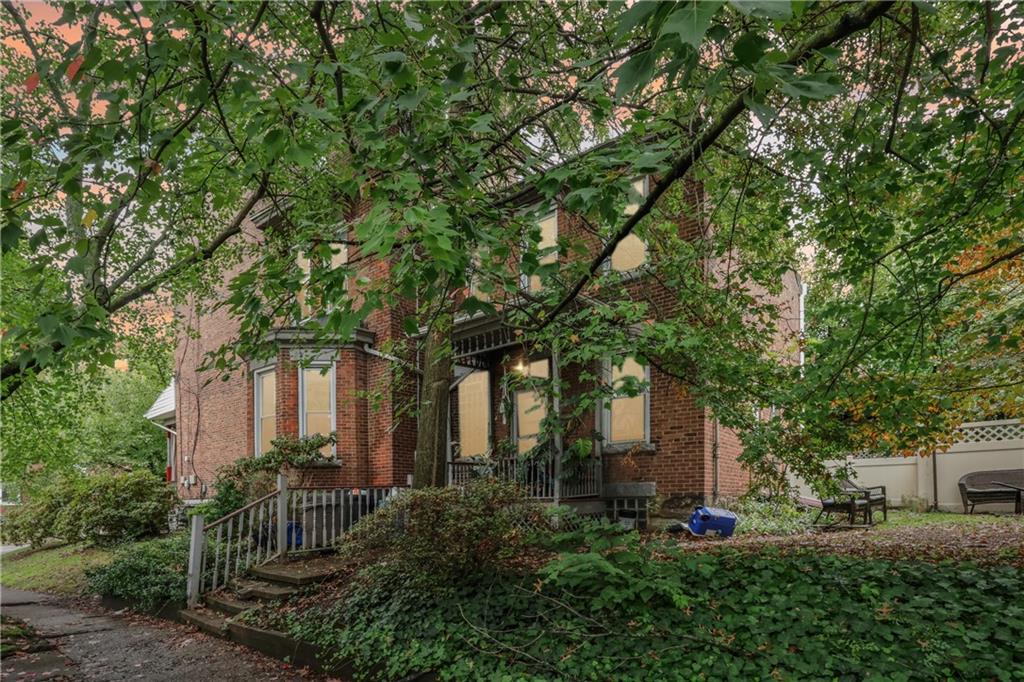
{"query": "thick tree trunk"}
pixel 432 424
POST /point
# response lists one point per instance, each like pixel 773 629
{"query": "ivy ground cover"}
pixel 610 605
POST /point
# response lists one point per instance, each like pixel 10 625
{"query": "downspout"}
pixel 714 465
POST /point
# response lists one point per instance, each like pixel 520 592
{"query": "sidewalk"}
pixel 101 646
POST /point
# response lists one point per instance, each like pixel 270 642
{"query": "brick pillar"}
pixel 287 396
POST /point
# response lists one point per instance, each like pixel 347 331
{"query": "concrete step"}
pixel 206 620
pixel 262 590
pixel 227 604
pixel 293 573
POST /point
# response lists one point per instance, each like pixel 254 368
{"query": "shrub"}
pixel 148 574
pixel 102 508
pixel 447 530
pixel 250 478
pixel 778 516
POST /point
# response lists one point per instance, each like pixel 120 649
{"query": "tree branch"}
pixel 847 25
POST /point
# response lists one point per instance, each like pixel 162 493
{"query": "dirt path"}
pixel 82 644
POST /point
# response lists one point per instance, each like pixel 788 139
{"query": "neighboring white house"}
pixel 980 446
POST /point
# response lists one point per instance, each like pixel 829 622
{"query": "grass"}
pixel 905 518
pixel 55 569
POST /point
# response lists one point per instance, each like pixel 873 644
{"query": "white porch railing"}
pixel 282 522
pixel 536 475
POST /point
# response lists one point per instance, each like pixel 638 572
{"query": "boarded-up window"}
pixel 548 240
pixel 631 252
pixel 474 414
pixel 628 420
pixel 317 413
pixel 531 408
pixel 266 410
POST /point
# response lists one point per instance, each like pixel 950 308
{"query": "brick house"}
pixel 656 445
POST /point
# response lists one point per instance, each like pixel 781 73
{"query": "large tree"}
pixel 883 137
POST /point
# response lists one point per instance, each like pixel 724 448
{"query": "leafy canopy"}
pixel 874 145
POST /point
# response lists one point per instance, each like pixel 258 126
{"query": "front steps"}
pixel 271 582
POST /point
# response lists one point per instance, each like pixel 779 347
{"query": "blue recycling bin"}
pixel 712 521
pixel 294 534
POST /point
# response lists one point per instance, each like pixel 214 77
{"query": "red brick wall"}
pixel 214 417
pixel 376 437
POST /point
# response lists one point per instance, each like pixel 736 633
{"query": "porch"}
pixel 499 419
pixel 540 477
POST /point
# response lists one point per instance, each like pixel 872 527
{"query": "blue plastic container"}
pixel 711 521
pixel 294 534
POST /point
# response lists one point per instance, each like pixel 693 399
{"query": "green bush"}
pixel 250 478
pixel 102 508
pixel 149 574
pixel 447 530
pixel 779 516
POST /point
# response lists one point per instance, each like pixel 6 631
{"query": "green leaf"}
pixel 750 48
pixel 391 57
pixel 816 86
pixel 635 73
pixel 690 20
pixel 767 9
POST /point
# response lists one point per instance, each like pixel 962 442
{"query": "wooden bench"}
pixel 854 501
pixel 981 487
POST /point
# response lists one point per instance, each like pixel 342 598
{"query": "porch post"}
pixel 195 560
pixel 282 515
pixel 556 405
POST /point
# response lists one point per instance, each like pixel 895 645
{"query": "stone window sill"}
pixel 330 464
pixel 637 448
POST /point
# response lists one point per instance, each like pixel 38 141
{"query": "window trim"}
pixel 257 401
pixel 606 408
pixel 332 382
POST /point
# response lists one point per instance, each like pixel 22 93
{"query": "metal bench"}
pixel 983 487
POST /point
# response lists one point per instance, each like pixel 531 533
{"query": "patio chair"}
pixel 854 501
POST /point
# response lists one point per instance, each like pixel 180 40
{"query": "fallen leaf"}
pixel 32 83
pixel 90 217
pixel 74 66
pixel 18 189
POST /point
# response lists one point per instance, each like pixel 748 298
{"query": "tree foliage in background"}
pixel 879 140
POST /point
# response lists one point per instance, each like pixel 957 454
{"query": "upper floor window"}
pixel 265 404
pixel 631 252
pixel 475 414
pixel 629 415
pixel 548 247
pixel 530 408
pixel 339 258
pixel 316 402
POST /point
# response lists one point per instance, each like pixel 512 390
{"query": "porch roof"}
pixel 162 409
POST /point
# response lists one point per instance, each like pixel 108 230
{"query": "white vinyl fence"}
pixel 981 446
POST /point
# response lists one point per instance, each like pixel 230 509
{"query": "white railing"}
pixel 282 522
pixel 536 475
